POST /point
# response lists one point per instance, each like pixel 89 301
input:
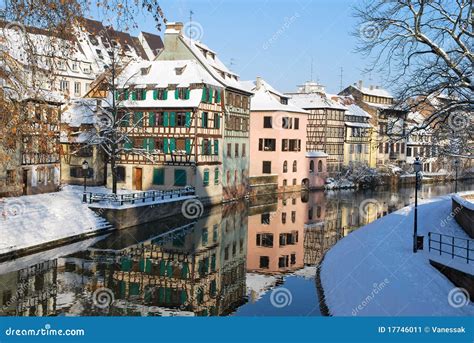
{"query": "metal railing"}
pixel 133 198
pixel 453 246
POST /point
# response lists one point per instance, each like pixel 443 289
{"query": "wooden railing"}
pixel 453 246
pixel 133 198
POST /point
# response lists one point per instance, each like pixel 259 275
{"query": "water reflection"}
pixel 223 263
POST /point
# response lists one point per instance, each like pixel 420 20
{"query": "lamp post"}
pixel 85 170
pixel 417 168
pixel 456 166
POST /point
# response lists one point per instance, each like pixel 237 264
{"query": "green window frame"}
pixel 165 94
pixel 188 119
pixel 166 119
pixel 209 100
pixel 158 176
pixel 151 118
pixel 138 119
pixel 126 94
pixel 134 288
pixel 176 94
pixel 134 94
pixel 172 121
pixel 188 93
pixel 180 177
pixel 144 94
pixel 125 120
pixel 204 119
pixel 216 176
pixel 188 146
pixel 165 145
pixel 205 178
pixel 204 236
pixel 216 147
pixel 128 144
pixel 172 145
pixel 155 94
pixel 204 95
pixel 218 96
pixel 217 121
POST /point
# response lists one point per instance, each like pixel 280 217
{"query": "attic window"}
pixel 284 101
pixel 93 40
pixel 179 70
pixel 145 71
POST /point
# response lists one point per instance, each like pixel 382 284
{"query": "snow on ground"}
pixel 337 184
pixel 30 220
pixel 259 284
pixel 374 272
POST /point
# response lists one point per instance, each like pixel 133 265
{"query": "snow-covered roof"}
pixel 313 154
pixel 266 98
pixel 356 124
pixel 315 100
pixel 161 74
pixel 79 111
pixel 354 110
pixel 373 90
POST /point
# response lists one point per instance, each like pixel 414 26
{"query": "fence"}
pixel 132 198
pixel 454 246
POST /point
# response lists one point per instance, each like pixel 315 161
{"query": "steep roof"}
pixel 154 41
pixel 314 101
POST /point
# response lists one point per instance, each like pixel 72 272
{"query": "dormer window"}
pixel 74 66
pixel 179 70
pixel 284 101
pixel 145 71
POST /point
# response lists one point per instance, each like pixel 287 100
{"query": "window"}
pixel 311 166
pixel 266 167
pixel 286 122
pixel 284 145
pixel 180 177
pixel 217 121
pixel 264 262
pixel 265 240
pixel 77 88
pixel 320 166
pixel 294 144
pixel 267 144
pixel 216 176
pixel 409 151
pixel 229 150
pixel 267 122
pixel 283 261
pixel 206 147
pixel 297 124
pixel 244 149
pixel 236 150
pixel 182 93
pixel 205 179
pixel 180 119
pixel 285 166
pixel 120 170
pixel 318 211
pixel 204 119
pixel 293 258
pixel 160 94
pixel 158 176
pixel 294 182
pixel 285 183
pixel 10 177
pixel 64 86
pixel 265 218
pixel 294 166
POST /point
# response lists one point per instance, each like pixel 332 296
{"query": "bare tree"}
pixel 425 48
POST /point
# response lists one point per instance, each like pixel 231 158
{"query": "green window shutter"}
pixel 122 286
pixel 204 95
pixel 155 94
pixel 125 121
pixel 180 177
pixel 165 95
pixel 172 119
pixel 185 270
pixel 216 147
pixel 176 93
pixel 161 295
pixel 206 180
pixel 145 143
pixel 168 295
pixel 212 288
pixel 134 289
pixel 134 95
pixel 210 96
pixel 126 94
pixel 138 119
pixel 144 94
pixel 188 119
pixel 126 264
pixel 217 121
pixel 166 120
pixel 169 269
pixel 128 144
pixel 188 146
pixel 184 296
pixel 216 176
pixel 172 144
pixel 203 148
pixel 117 94
pixel 151 144
pixel 213 263
pixel 162 268
pixel 218 96
pixel 151 118
pixel 204 119
pixel 165 145
pixel 158 176
pixel 188 92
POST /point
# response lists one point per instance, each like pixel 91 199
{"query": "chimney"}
pixel 371 87
pixel 258 84
pixel 359 84
pixel 174 26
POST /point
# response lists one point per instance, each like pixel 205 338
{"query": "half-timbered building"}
pixel 235 104
pixel 171 114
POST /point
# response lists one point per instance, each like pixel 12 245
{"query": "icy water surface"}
pixel 243 259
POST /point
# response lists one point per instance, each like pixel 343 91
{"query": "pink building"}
pixel 279 161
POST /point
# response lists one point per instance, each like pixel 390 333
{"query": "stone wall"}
pixel 464 214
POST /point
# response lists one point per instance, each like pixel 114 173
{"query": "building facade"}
pixel 235 102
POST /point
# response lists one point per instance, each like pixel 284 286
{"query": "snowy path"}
pixel 373 271
pixel 37 219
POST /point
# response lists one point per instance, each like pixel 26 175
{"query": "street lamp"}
pixel 417 169
pixel 85 170
pixel 456 166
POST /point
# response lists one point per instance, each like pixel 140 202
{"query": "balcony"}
pixel 39 158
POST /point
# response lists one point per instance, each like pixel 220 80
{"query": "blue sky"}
pixel 277 39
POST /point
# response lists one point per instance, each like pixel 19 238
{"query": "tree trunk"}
pixel 114 170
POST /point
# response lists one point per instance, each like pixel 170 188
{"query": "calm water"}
pixel 244 259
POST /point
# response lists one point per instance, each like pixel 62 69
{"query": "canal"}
pixel 253 258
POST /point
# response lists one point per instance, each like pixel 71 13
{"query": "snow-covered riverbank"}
pixel 373 271
pixel 33 220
